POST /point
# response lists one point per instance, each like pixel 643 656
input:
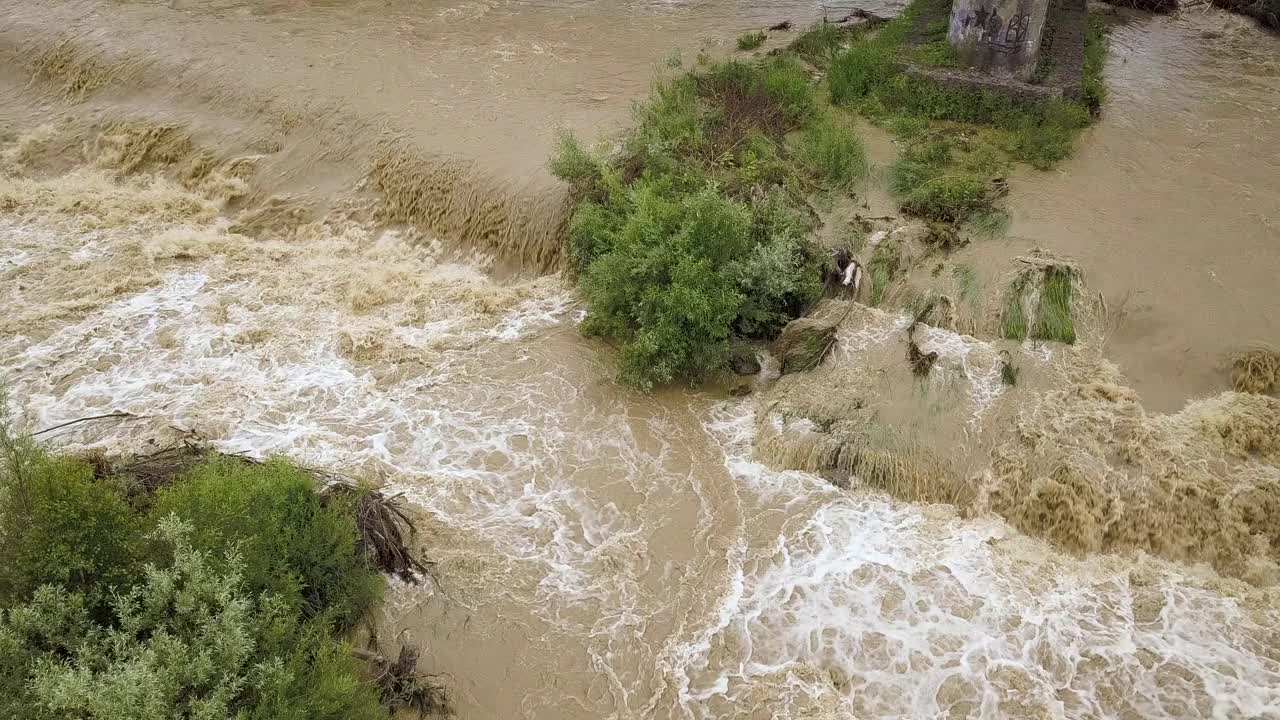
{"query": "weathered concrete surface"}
pixel 1059 67
pixel 1061 62
pixel 999 36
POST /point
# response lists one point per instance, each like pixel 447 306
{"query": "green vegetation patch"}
pixel 751 40
pixel 871 75
pixel 1053 312
pixel 225 595
pixel 1039 305
pixel 695 235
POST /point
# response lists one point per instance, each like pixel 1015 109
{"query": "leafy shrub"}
pixel 832 152
pixel 663 291
pixel 308 558
pixel 574 164
pixel 778 280
pixel 188 641
pixel 751 40
pixel 60 526
pixel 690 238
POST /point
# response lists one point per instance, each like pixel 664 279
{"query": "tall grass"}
pixel 1053 313
pixel 832 152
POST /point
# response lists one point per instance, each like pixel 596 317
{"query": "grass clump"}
pixel 819 44
pixel 1039 304
pixel 695 236
pixel 832 153
pixel 1053 312
pixel 948 197
pixel 1013 318
pixel 884 266
pixel 935 185
pixel 751 40
pixel 225 595
pixel 1045 142
pixel 1095 60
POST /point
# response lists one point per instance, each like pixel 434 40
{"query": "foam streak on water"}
pixel 869 608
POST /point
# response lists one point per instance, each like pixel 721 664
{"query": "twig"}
pixel 87 419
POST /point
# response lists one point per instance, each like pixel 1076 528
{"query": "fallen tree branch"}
pixel 91 418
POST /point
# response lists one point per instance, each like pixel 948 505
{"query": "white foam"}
pixel 885 610
pixel 858 603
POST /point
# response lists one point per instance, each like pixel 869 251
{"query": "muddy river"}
pixel 351 264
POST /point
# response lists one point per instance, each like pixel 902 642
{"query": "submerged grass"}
pixel 1039 305
pixel 751 40
pixel 1053 312
pixel 883 268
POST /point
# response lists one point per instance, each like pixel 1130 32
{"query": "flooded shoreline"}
pixel 603 553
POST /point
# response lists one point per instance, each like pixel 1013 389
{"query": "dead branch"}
pixel 91 418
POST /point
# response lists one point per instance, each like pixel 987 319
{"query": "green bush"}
pixel 778 281
pixel 60 526
pixel 832 152
pixel 662 290
pixel 575 164
pixel 692 237
pixel 252 577
pixel 751 40
pixel 309 558
pixel 188 641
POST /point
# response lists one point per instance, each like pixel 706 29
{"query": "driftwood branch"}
pixel 77 421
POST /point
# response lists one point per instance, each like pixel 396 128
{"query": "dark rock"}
pixel 743 362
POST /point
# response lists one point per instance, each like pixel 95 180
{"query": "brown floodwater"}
pixel 1172 203
pixel 601 553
